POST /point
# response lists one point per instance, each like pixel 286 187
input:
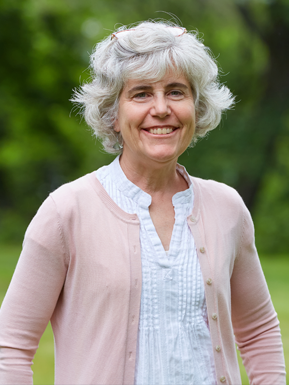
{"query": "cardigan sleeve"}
pixel 32 295
pixel 255 322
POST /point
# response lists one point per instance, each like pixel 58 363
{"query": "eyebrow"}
pixel 177 85
pixel 139 88
pixel 148 88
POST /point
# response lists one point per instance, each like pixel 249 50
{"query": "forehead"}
pixel 170 79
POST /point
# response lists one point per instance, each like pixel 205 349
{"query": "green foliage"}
pixel 41 146
pixel 272 206
pixel 46 45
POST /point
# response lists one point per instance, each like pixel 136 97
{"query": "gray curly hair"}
pixel 148 52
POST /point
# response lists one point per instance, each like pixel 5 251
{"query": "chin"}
pixel 163 152
pixel 163 156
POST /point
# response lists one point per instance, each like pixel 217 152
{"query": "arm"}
pixel 254 319
pixel 32 295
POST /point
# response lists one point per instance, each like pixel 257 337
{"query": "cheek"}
pixel 187 114
pixel 126 118
pixel 190 119
pixel 131 122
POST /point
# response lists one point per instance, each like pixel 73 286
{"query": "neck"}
pixel 154 178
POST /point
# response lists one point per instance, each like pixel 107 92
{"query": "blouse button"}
pixel 214 316
pixel 209 281
pixel 223 379
pixel 202 250
pixel 218 348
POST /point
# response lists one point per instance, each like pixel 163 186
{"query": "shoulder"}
pixel 65 199
pixel 222 207
pixel 64 204
pixel 220 200
pixel 217 191
pixel 66 210
pixel 79 195
pixel 71 190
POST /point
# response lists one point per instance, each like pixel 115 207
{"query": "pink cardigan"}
pixel 81 268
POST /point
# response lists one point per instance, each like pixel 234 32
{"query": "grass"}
pixel 276 270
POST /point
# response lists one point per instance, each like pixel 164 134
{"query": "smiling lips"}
pixel 160 131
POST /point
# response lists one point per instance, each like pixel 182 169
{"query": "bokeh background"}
pixel 45 47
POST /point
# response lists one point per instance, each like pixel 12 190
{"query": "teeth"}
pixel 161 131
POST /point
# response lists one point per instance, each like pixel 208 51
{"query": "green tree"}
pixel 46 45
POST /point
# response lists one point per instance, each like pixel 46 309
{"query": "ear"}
pixel 116 126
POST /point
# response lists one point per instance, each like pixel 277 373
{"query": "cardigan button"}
pixel 223 379
pixel 209 281
pixel 218 348
pixel 202 250
pixel 193 219
pixel 214 316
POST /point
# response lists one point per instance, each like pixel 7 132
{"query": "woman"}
pixel 145 272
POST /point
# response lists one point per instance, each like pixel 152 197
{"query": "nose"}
pixel 160 106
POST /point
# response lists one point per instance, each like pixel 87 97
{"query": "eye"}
pixel 176 93
pixel 141 95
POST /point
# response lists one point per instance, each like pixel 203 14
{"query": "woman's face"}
pixel 156 119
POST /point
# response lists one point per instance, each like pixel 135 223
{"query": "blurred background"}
pixel 45 47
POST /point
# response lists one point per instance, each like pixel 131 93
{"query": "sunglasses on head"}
pixel 176 31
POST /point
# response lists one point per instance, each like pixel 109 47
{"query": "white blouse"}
pixel 174 345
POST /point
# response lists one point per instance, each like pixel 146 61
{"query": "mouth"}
pixel 161 130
